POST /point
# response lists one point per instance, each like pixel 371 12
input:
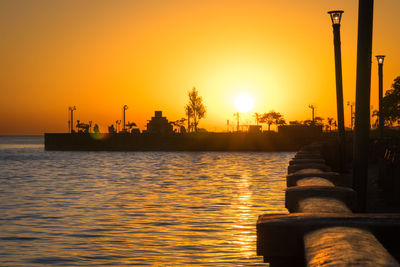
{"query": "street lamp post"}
pixel 363 90
pixel 312 108
pixel 336 16
pixel 380 73
pixel 71 109
pixel 124 108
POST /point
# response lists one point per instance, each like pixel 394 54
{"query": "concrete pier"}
pixel 321 229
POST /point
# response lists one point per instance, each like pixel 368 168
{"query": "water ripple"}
pixel 134 208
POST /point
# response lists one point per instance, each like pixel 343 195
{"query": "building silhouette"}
pixel 159 124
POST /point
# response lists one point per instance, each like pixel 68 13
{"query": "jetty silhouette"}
pixel 160 136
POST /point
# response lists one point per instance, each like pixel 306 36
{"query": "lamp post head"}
pixel 336 16
pixel 125 107
pixel 380 58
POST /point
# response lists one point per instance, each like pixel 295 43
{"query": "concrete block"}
pixel 281 235
pixel 306 161
pixel 302 166
pixel 334 177
pixel 345 246
pixel 322 205
pixel 308 156
pixel 314 181
pixel 296 193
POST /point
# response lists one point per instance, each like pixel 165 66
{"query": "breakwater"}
pixel 175 142
pixel 321 228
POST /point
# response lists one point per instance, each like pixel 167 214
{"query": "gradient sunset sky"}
pixel 101 55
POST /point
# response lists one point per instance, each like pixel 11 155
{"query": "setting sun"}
pixel 244 103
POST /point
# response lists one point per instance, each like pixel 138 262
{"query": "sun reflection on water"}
pixel 244 232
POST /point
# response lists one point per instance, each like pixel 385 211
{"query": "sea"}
pixel 62 208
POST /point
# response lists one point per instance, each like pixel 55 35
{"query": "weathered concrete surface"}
pixel 309 171
pixel 319 213
pixel 334 177
pixel 281 235
pixel 314 181
pixel 309 150
pixel 298 167
pixel 308 156
pixel 297 193
pixel 322 205
pixel 303 161
pixel 345 246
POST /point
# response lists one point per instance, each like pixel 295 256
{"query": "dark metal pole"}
pixel 124 108
pixel 381 122
pixel 363 90
pixel 123 128
pixel 339 96
pixel 69 120
pixel 313 115
pixel 72 120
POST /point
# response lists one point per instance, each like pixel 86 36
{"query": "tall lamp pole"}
pixel 363 91
pixel 124 108
pixel 336 16
pixel 71 109
pixel 312 108
pixel 380 70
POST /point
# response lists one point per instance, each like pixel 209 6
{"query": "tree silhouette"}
pixel 271 118
pixel 258 117
pixel 179 124
pixel 195 109
pixel 189 114
pixel 330 123
pixel 318 121
pixel 295 122
pixel 308 122
pixel 391 104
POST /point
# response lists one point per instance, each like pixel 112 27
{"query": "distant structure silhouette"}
pixel 255 128
pixel 124 108
pixel 159 124
pixel 111 129
pixel 71 121
pixel 83 127
pixel 117 123
pixel 96 128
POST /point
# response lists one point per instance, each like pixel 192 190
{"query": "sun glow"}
pixel 244 103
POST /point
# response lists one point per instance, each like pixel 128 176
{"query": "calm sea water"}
pixel 134 208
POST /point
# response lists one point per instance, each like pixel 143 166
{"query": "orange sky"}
pixel 101 55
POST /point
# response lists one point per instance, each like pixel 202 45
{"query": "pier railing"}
pixel 321 228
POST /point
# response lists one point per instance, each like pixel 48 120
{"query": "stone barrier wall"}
pixel 321 228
